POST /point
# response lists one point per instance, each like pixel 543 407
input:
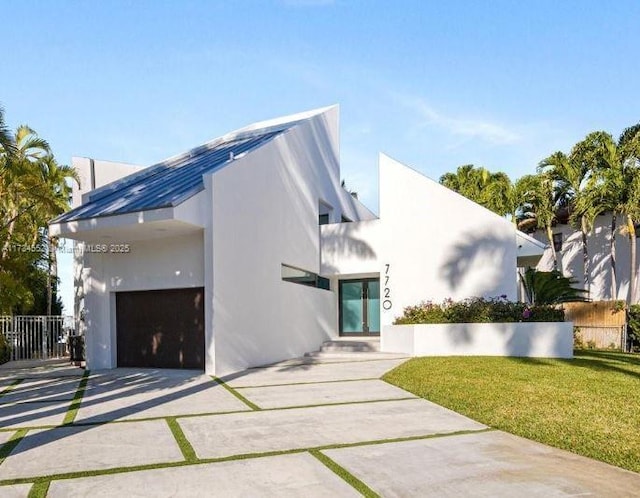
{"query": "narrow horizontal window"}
pixel 303 277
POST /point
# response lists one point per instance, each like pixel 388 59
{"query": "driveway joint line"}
pixel 344 474
pixel 307 383
pixel 72 412
pixel 9 446
pixel 204 414
pixel 243 456
pixel 181 439
pixel 10 387
pixel 40 488
pixel 250 404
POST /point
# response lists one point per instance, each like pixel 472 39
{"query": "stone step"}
pixel 354 356
pixel 350 346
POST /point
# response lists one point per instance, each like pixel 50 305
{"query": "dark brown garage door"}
pixel 162 329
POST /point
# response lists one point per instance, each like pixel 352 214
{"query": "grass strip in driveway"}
pixel 588 405
pixel 7 448
pixel 345 475
pixel 39 489
pixel 185 446
pixel 245 456
pixel 251 405
pixel 307 383
pixel 72 412
pixel 10 387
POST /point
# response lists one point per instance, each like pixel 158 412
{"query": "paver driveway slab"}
pixel 319 372
pixel 279 476
pixel 15 491
pixel 485 465
pixel 323 393
pixel 130 394
pixel 32 414
pixel 5 436
pixel 72 449
pixel 261 431
pixel 42 390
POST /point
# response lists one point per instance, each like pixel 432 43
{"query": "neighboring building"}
pixel 246 250
pixel 571 260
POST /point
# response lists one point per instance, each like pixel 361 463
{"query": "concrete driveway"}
pixel 325 426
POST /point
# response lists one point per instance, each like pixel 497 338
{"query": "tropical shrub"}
pixel 478 310
pixel 633 327
pixel 551 287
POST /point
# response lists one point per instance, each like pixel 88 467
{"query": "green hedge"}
pixel 478 310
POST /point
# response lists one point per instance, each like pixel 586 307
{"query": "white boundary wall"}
pixel 532 339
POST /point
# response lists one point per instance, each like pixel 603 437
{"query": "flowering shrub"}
pixel 478 310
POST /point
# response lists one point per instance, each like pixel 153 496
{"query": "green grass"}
pixel 72 412
pixel 39 489
pixel 251 405
pixel 345 475
pixel 589 405
pixel 185 446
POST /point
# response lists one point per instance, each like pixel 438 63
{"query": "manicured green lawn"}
pixel 589 405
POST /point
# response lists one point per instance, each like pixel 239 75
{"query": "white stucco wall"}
pixel 162 263
pixel 104 172
pixel 265 213
pixel 439 244
pixel 429 244
pixel 538 340
pixel 598 245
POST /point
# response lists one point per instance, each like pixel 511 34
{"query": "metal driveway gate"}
pixel 37 337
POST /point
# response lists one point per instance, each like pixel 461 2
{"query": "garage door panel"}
pixel 161 328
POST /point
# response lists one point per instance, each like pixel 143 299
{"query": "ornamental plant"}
pixel 478 310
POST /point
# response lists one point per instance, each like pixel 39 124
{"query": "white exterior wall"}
pixel 570 259
pixel 163 263
pixel 438 244
pixel 533 339
pixel 265 213
pixel 429 244
pixel 104 172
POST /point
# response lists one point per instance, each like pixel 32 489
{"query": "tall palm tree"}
pixel 21 183
pixel 616 188
pixel 491 190
pixel 56 178
pixel 6 140
pixel 629 155
pixel 537 205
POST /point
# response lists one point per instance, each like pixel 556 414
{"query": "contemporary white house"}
pixel 246 250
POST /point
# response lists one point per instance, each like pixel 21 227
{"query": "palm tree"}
pixel 615 187
pixel 56 178
pixel 550 287
pixel 6 140
pixel 491 190
pixel 537 205
pixel 569 176
pixel 629 154
pixel 21 183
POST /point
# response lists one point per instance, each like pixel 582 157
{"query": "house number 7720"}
pixel 386 289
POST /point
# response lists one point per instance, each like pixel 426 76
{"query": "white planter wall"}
pixel 532 339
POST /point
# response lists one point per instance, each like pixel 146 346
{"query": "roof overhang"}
pixel 530 250
pixel 140 225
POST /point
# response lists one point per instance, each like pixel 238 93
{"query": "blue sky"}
pixel 433 84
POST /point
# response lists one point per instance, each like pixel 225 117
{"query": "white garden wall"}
pixel 531 339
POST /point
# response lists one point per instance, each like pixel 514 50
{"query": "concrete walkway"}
pixel 321 426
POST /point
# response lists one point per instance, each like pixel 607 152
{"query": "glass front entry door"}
pixel 360 307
